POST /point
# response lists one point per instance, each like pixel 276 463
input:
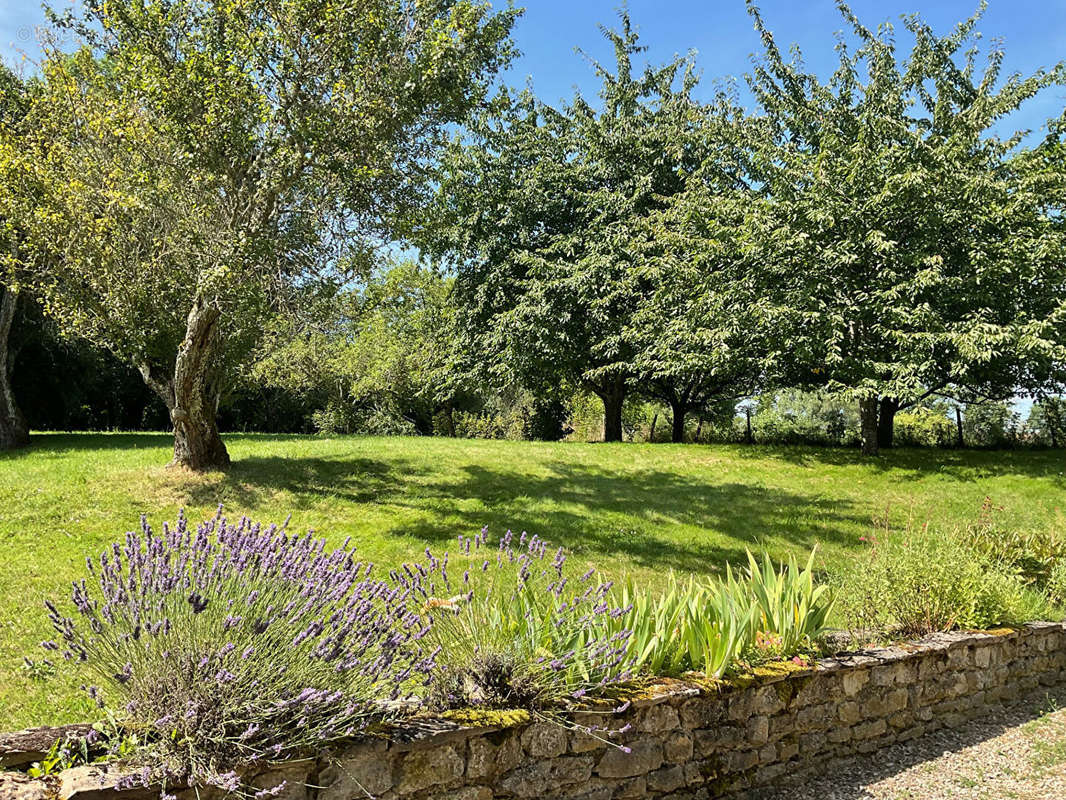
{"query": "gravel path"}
pixel 1019 754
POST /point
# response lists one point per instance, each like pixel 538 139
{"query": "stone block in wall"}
pixel 547 778
pixel 98 783
pixel 854 681
pixel 782 725
pixel 849 713
pixel 421 769
pixel 812 743
pixel 677 747
pixel 493 754
pixel 813 691
pixel 720 738
pixel 667 779
pixel 740 760
pixel 645 755
pixel 701 712
pixel 17 786
pixel 364 769
pixel 544 740
pixel 838 735
pixel 757 730
pixel 632 788
pixel 658 718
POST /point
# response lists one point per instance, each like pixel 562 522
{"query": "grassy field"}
pixel 642 508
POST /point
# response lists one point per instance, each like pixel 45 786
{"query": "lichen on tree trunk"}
pixel 192 392
pixel 13 430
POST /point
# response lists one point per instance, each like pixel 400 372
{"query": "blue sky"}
pixel 719 30
pixel 721 33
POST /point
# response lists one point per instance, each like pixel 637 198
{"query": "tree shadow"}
pixel 252 482
pixel 962 465
pixel 656 519
pixel 53 445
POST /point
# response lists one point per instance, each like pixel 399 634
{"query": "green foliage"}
pixel 710 625
pixel 909 245
pixel 990 425
pixel 1032 554
pixel 381 357
pixel 925 426
pixel 1056 584
pixel 73 751
pixel 790 604
pixel 916 581
pixel 1046 425
pixel 797 417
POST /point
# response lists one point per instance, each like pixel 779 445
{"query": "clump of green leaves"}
pixel 712 625
pixel 1033 554
pixel 1056 584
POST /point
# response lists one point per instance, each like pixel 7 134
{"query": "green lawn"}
pixel 643 508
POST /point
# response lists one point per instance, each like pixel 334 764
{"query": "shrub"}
pixel 913 582
pixel 516 630
pixel 925 426
pixel 1032 554
pixel 234 642
pixel 1056 584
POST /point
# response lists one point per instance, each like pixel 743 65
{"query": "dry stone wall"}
pixel 684 740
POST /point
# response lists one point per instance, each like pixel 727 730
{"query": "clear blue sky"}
pixel 720 31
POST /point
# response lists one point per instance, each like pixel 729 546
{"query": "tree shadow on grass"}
pixel 654 518
pixel 252 482
pixel 961 465
pixel 657 519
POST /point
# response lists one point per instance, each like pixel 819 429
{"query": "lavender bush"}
pixel 512 629
pixel 235 642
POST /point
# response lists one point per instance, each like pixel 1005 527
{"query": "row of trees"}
pixel 200 182
pixel 872 234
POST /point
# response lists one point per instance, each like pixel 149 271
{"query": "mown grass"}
pixel 647 509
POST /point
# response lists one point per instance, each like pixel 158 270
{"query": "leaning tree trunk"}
pixel 197 388
pixel 192 391
pixel 13 430
pixel 868 424
pixel 886 422
pixel 677 431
